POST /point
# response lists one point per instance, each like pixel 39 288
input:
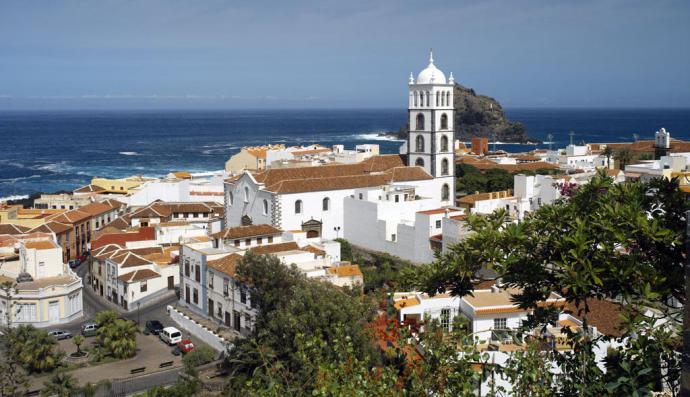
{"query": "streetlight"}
pixel 337 231
pixel 138 313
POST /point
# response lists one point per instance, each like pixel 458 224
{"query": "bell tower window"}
pixel 420 143
pixel 420 122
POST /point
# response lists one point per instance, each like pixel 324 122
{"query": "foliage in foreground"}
pixel 117 336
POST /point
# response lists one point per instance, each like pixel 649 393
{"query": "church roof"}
pixel 374 171
pixel 431 74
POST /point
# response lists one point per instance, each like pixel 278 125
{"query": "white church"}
pixel 376 204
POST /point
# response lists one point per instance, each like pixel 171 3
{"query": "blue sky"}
pixel 335 53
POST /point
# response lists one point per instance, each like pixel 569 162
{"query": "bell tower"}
pixel 430 143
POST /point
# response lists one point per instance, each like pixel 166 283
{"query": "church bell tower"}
pixel 430 143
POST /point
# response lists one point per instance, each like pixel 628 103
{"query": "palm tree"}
pixel 78 340
pixel 608 152
pixel 119 338
pixel 624 157
pixel 105 318
pixel 61 384
pixel 35 349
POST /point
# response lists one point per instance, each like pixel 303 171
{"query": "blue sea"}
pixel 51 151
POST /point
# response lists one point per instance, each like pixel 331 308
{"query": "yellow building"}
pixel 121 185
pixel 250 158
pixel 29 217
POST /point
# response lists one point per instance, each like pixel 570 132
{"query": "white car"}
pixel 170 335
pixel 59 334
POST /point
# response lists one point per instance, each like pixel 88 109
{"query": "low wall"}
pixel 209 337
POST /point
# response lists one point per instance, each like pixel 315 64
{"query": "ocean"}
pixel 51 151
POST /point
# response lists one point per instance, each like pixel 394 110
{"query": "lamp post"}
pixel 337 231
pixel 138 313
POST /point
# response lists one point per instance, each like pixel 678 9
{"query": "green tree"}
pixel 345 250
pixel 624 156
pixel 117 336
pixel 199 356
pixel 608 241
pixel 61 384
pixel 34 348
pixel 78 340
pixel 13 379
pixel 608 152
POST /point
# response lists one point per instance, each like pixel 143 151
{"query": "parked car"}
pixel 59 334
pixel 154 326
pixel 82 258
pixel 89 329
pixel 74 263
pixel 183 347
pixel 170 335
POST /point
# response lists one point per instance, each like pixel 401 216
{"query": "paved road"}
pixel 93 305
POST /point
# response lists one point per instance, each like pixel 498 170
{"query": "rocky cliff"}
pixel 481 116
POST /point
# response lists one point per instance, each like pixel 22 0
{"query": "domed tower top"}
pixel 431 74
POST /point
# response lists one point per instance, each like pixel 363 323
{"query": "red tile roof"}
pixel 6 228
pixel 138 275
pixel 143 234
pixel 247 231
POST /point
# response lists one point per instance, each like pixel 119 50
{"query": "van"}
pixel 89 329
pixel 170 335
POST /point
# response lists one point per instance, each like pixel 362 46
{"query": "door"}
pixel 53 312
pixel 210 307
pixel 171 282
pixel 236 321
pixel 41 269
pixel 186 294
pixel 227 319
pixel 101 287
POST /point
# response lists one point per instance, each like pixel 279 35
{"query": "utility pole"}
pixel 685 367
pixel 549 137
pixel 572 134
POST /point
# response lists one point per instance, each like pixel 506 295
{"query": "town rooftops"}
pixel 142 234
pixel 40 245
pixel 161 209
pixel 52 227
pixel 482 164
pixel 138 275
pixel 7 228
pixel 226 265
pixel 345 271
pixel 95 209
pixel 275 248
pixel 72 217
pixel 120 223
pixel 500 300
pixel 240 232
pixel 89 189
pixel 471 199
pixel 45 282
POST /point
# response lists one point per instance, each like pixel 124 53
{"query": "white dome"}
pixel 431 75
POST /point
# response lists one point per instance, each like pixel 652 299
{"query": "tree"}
pixel 624 157
pixel 61 384
pixel 12 377
pixel 199 356
pixel 78 340
pixel 608 152
pixel 608 241
pixel 34 348
pixel 116 336
pixel 345 250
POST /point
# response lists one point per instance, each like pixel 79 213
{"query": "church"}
pixel 313 199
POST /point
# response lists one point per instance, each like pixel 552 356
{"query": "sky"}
pixel 213 54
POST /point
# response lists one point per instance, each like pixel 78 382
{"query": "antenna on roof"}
pixel 549 137
pixel 572 134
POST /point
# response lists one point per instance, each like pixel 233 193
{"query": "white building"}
pixel 312 198
pixel 578 157
pixel 207 215
pixel 677 164
pixel 46 292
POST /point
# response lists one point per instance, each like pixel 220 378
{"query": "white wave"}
pixel 129 153
pixel 53 167
pixel 17 179
pixel 18 197
pixel 376 136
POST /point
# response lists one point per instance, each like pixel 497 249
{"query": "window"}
pixel 421 98
pixel 143 286
pixel 500 323
pixel 196 296
pixel 393 237
pixel 246 194
pixel 219 312
pixel 444 167
pixel 438 224
pixel 444 121
pixel 420 143
pixel 445 318
pixel 197 273
pixel 419 162
pixel 438 96
pixel 270 239
pixel 416 95
pixel 428 95
pixel 397 198
pixel 26 312
pixel 361 196
pixel 420 122
pixel 247 320
pixel 226 283
pixel 265 207
pixel 444 143
pixel 231 198
pixel 237 243
pixel 210 280
pixel 247 242
pixel 325 204
pixel 298 207
pixel 259 240
pixel 186 267
pixel 445 192
pixel 243 295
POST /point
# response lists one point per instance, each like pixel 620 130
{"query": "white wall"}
pixel 206 335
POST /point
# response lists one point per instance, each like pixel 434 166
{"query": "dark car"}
pixel 74 263
pixel 154 326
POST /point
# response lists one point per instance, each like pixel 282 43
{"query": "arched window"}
pixel 444 143
pixel 443 99
pixel 246 194
pixel 444 167
pixel 420 143
pixel 420 122
pixel 298 207
pixel 445 192
pixel 231 198
pixel 421 98
pixel 326 204
pixel 447 98
pixel 419 162
pixel 444 121
pixel 428 94
pixel 438 95
pixel 416 95
pixel 265 207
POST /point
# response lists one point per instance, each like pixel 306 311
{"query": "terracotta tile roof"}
pixel 275 248
pixel 45 282
pixel 105 251
pixel 437 237
pixel 435 211
pixel 182 175
pixel 473 198
pixel 226 264
pixel 154 210
pixel 525 157
pixel 313 250
pixel 72 217
pixel 52 227
pixel 89 189
pixel 648 146
pixel 131 260
pixel 406 302
pixel 138 275
pixel 306 152
pixel 120 223
pixel 486 164
pixel 142 234
pixel 40 245
pixel 7 228
pixel 459 217
pixel 247 231
pixel 95 209
pixel 603 314
pixel 346 271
